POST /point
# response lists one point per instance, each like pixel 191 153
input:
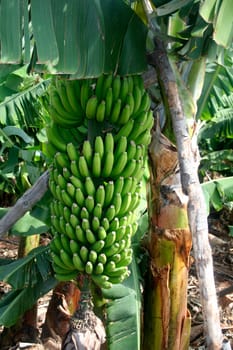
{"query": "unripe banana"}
pixel 118 185
pixel 66 259
pixel 109 267
pixel 78 263
pixel 120 233
pixel 114 224
pixel 130 101
pixel 74 221
pixel 130 83
pixel 62 160
pixel 124 89
pixel 57 260
pixel 66 199
pixel 95 224
pixel 126 200
pixel 101 281
pixel 96 165
pixel 72 98
pixel 93 256
pixel 63 97
pixel 83 167
pixel 124 130
pixel 105 223
pixel 97 211
pixel 99 269
pixel 112 250
pixel 72 151
pixel 144 138
pixel 65 243
pixel 56 242
pixel 116 202
pixel 109 190
pixel 84 252
pixel 66 277
pixel 108 164
pixel 125 115
pixel 84 93
pixel 89 203
pixel 75 209
pixel 121 146
pixel 131 149
pixel 80 234
pixel 100 195
pixel 61 182
pixel 110 212
pixel 99 86
pixel 70 189
pixel 98 246
pixel 90 236
pixel 69 230
pixel 109 142
pixel 137 94
pixel 66 173
pixel 91 107
pixel 101 233
pixel 110 239
pixel 129 168
pixel 76 182
pixel 79 197
pixel 107 84
pixel 102 258
pixel 99 146
pixel 108 104
pixel 100 113
pixel 116 258
pixel 115 113
pixel 84 214
pixel 74 169
pixel 89 268
pixel 118 271
pixel 74 247
pixel 87 152
pixel 120 165
pixel 54 137
pixel 89 186
pixel 116 87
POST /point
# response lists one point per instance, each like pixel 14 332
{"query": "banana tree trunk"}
pixel 197 216
pixel 167 320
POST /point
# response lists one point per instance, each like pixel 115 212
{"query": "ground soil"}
pixel 222 248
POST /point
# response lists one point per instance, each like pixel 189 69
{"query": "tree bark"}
pixel 189 161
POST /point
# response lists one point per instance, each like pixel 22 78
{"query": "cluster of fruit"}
pixel 98 139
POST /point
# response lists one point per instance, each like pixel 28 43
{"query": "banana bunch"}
pixel 95 180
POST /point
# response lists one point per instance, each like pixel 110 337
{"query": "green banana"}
pixel 101 281
pixel 65 277
pixel 97 211
pixel 61 182
pixel 115 113
pixel 98 246
pixel 130 83
pixel 101 233
pixel 89 267
pixel 87 152
pixel 137 95
pixel 56 242
pixel 145 103
pixel 93 256
pixel 108 102
pixel 121 146
pixel 109 190
pixel 116 202
pixel 74 169
pixel 131 149
pixel 118 185
pixel 130 101
pixel 65 243
pixel 60 270
pixel 66 199
pixel 110 212
pixel 84 214
pixel 69 230
pixel 120 165
pixel 75 209
pixel 73 98
pixel 90 236
pixel 66 259
pixel 54 138
pixel 124 89
pixel 96 165
pixel 84 93
pixel 124 115
pixel 57 260
pixel 89 203
pixel 70 189
pixel 61 160
pixel 72 152
pixel 118 271
pixel 120 233
pixel 80 234
pixel 124 130
pixel 84 253
pixel 49 149
pixel 99 269
pixel 76 182
pixel 78 263
pixel 91 107
pixel 105 223
pixel 106 84
pixel 126 200
pixel 100 195
pixel 95 224
pixel 99 146
pixel 66 173
pixel 79 197
pixel 116 87
pixel 64 99
pixel 129 168
pixel 109 267
pixel 83 167
pixel 114 224
pixel 74 221
pixel 118 279
pixel 100 112
pixel 112 250
pixel 74 246
pixel 110 239
pixel 108 164
pixel 109 142
pixel 144 138
pixel 102 258
pixel 116 258
pixel 89 186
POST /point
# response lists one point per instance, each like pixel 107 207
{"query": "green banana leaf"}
pixel 85 38
pixel 30 278
pixel 217 193
pixel 123 312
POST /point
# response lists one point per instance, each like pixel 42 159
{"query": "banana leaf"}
pixel 85 38
pixel 30 278
pixel 123 312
